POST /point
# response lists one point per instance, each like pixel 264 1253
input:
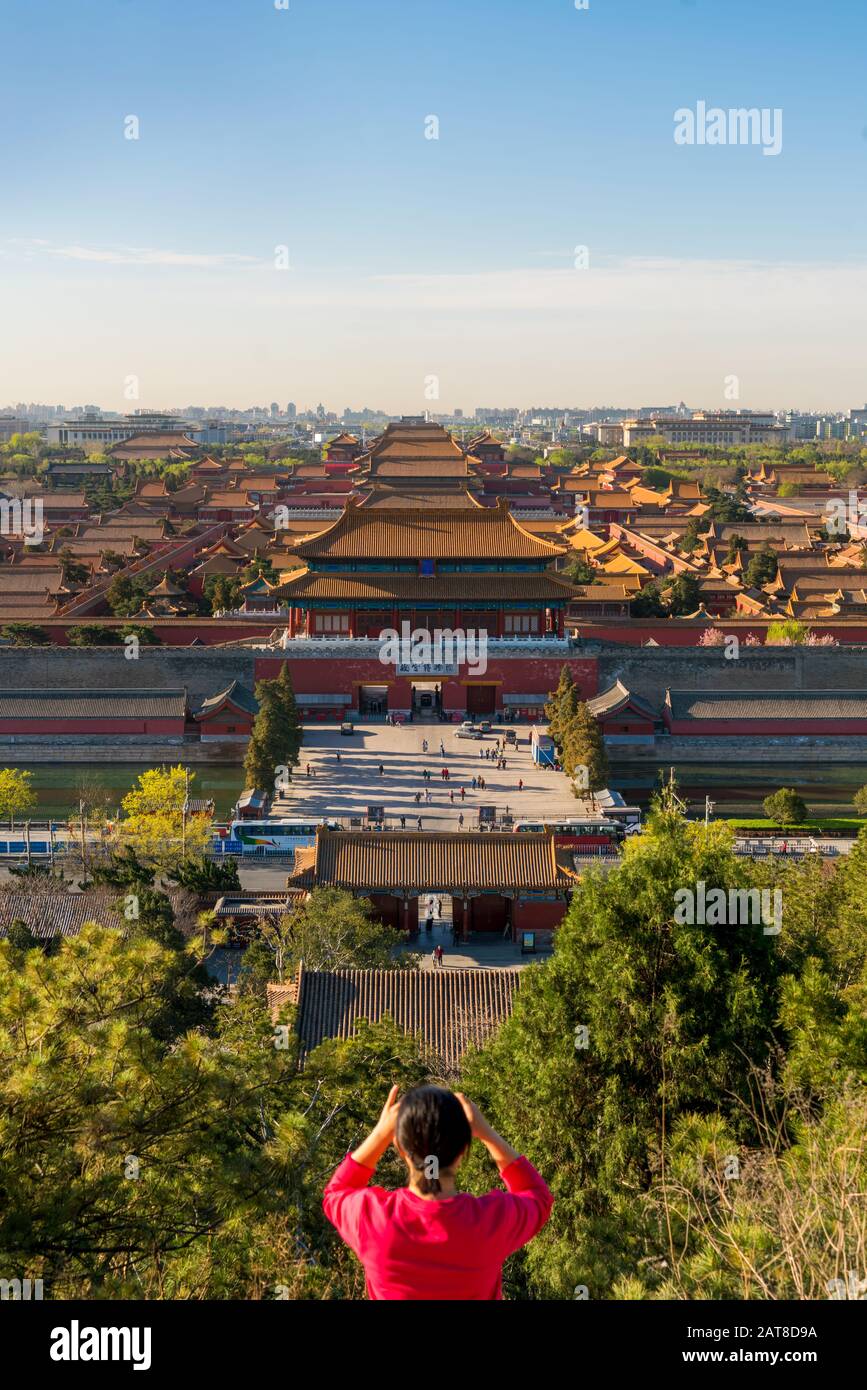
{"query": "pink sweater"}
pixel 453 1248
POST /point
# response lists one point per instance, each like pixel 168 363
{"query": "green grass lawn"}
pixel 849 825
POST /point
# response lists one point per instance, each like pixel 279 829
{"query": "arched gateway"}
pixel 498 882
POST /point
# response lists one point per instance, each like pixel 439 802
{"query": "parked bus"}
pixel 270 836
pixel 582 836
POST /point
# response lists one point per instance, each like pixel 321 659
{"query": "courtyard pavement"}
pixel 347 787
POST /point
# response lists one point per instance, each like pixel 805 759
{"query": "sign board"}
pixel 376 813
pixel 427 668
pixel 487 814
pixel 528 943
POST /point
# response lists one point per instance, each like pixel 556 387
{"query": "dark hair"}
pixel 431 1124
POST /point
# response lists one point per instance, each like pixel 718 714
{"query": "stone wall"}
pixel 649 671
pixel 203 670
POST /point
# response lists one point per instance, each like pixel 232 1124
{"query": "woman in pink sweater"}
pixel 427 1240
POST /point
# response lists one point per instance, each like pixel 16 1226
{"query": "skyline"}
pixel 411 258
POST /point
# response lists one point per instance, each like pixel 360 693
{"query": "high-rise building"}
pixel 291 410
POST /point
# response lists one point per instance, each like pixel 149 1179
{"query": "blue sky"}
pixel 412 257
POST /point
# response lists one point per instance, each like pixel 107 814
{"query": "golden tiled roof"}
pixel 415 862
pixel 383 534
pixel 451 588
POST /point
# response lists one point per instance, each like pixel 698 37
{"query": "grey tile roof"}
pixel 92 704
pixel 449 1009
pixel 767 704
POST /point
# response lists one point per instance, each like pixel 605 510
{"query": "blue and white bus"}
pixel 270 836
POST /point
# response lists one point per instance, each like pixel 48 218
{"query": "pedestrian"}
pixel 337 755
pixel 403 822
pixel 308 769
pixel 463 794
pixel 381 770
pixel 442 774
pixel 419 822
pixel 433 957
pixel 475 783
pixel 520 784
pixel 428 798
pixel 442 749
pixel 461 820
pixel 452 797
pixel 483 752
pixel 439 952
pixel 418 798
pixel 439 907
pixel 428 923
pixel 424 745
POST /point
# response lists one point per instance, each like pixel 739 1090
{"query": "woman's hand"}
pixel 479 1127
pixel 371 1149
pixel 502 1153
pixel 387 1122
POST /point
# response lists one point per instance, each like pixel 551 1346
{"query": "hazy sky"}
pixel 413 258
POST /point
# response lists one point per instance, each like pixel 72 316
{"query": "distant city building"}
pixel 12 424
pixel 94 430
pixel 720 428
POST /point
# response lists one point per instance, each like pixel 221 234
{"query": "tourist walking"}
pixel 520 784
pixel 424 745
pixel 403 822
pixel 452 797
pixel 475 783
pixel 439 955
pixel 461 820
pixel 419 822
pixel 442 749
pixel 463 794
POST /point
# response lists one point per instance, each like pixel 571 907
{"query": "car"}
pixel 485 726
pixel 510 736
pixel 464 732
pixel 347 728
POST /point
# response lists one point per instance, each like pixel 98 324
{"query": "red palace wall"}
pixel 775 728
pixel 518 675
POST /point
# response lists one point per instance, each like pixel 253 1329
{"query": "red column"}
pixel 499 622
